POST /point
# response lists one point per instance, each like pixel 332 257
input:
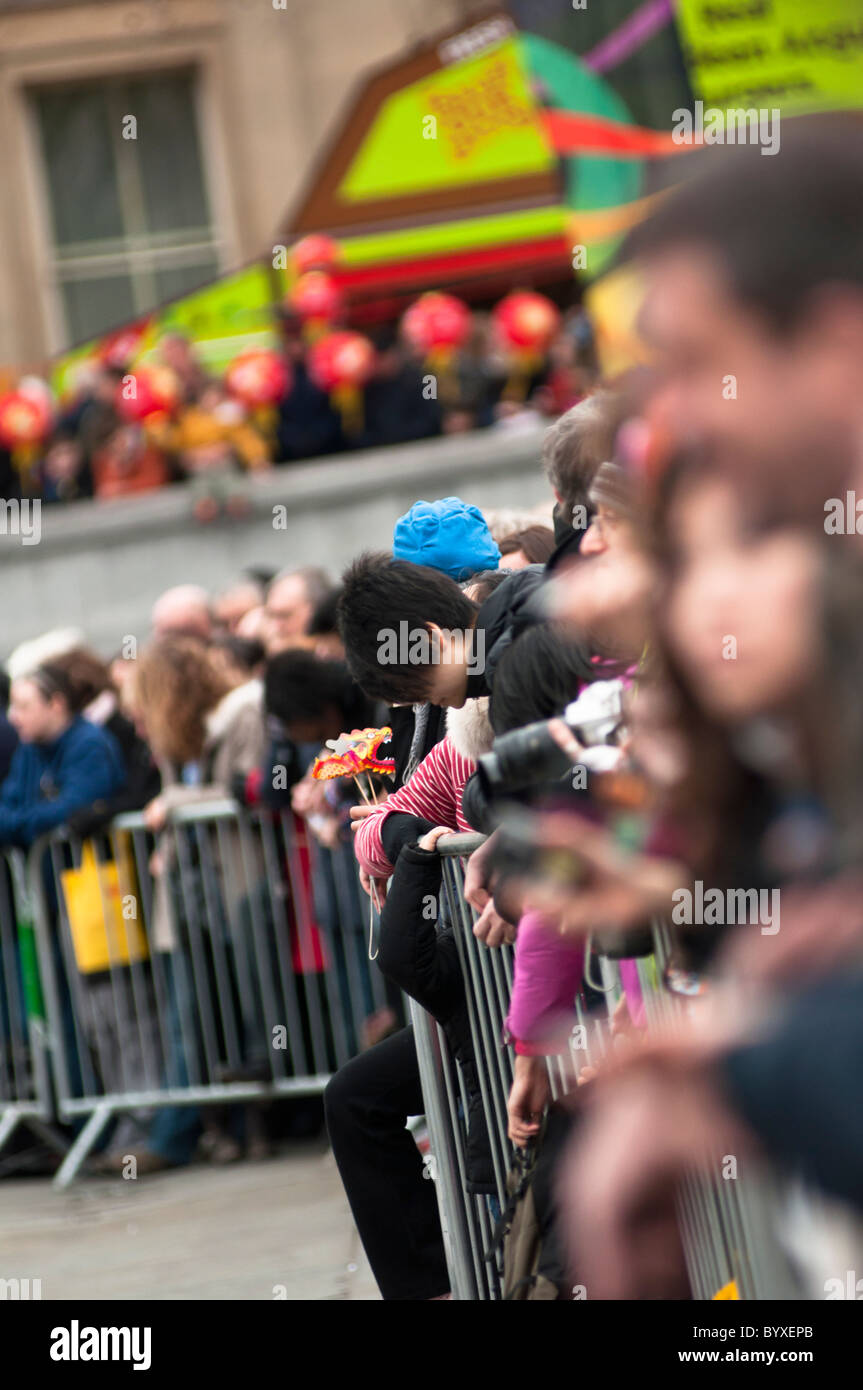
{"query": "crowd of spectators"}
pixel 212 439
pixel 683 584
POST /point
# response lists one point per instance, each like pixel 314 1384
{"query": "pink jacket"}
pixel 547 978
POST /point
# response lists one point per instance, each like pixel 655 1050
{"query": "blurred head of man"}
pixel 754 300
pixel 39 706
pixel 184 610
pixel 292 599
pixel 574 447
pixel 232 606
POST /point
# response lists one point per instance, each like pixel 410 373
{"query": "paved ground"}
pixel 280 1228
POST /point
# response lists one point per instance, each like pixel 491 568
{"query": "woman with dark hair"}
pixel 534 545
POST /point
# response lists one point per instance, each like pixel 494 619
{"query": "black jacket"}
pixel 508 612
pixel 424 962
pixel 401 719
pixel 143 781
pixel 567 540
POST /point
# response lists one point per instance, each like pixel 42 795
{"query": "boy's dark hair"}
pixel 537 677
pixel 300 685
pixel 378 595
pixel 781 226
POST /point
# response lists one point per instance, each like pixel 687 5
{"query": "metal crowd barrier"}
pixel 728 1222
pixel 191 970
pixel 25 1085
pixel 728 1227
pixel 467 1221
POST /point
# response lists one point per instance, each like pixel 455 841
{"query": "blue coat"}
pixel 48 781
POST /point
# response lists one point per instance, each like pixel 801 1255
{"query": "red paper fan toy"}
pixel 354 755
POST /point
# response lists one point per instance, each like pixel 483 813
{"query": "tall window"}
pixel 130 217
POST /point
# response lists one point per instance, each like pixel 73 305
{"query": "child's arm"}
pixel 411 953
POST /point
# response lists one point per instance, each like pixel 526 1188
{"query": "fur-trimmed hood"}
pixel 469 728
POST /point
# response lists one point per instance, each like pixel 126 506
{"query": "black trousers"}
pixel 393 1202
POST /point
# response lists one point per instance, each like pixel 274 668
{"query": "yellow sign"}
pixel 469 124
pixel 614 303
pixel 781 54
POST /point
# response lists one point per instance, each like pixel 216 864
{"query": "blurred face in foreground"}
pixel 606 593
pixel 607 531
pixel 743 612
pixel 757 395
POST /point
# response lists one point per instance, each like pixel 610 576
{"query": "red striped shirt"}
pixel 434 792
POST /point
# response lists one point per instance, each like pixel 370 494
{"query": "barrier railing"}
pixel 193 970
pixel 25 1085
pixel 468 1220
pixel 728 1228
pixel 728 1224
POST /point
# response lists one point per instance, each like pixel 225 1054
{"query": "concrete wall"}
pixel 100 565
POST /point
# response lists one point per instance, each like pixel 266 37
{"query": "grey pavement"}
pixel 280 1228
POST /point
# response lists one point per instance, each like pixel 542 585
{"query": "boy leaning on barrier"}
pixel 370 1098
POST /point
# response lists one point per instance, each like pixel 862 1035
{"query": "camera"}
pixel 526 756
pixel 519 852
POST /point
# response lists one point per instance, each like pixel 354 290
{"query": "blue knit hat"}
pixel 449 535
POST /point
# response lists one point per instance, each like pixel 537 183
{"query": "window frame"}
pixel 206 75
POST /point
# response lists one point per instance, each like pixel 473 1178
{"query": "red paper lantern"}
pixel 341 359
pixel 436 324
pixel 259 377
pixel 120 347
pixel 341 364
pixel 317 299
pixel 24 420
pixel 147 392
pixel 526 321
pixel 314 252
